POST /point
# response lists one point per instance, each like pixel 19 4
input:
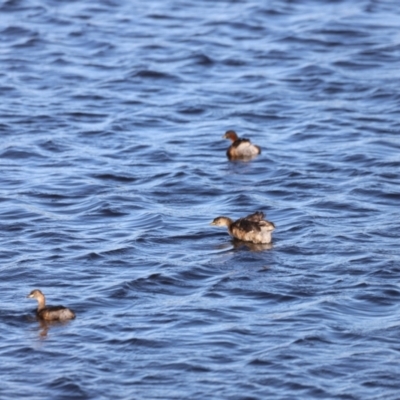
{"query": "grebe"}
pixel 50 313
pixel 240 149
pixel 253 228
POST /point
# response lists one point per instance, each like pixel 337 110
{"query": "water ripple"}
pixel 113 165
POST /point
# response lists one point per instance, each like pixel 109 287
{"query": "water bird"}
pixel 50 313
pixel 252 228
pixel 241 148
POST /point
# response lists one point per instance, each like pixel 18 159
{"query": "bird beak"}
pixel 212 223
pixel 224 137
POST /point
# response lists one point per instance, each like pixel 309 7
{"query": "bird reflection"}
pixel 45 326
pixel 237 244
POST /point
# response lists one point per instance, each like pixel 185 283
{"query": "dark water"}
pixel 112 167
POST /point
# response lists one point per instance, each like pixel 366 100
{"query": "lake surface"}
pixel 113 165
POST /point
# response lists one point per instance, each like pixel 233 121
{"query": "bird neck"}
pixel 41 303
pixel 229 224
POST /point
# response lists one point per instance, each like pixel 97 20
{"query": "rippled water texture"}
pixel 113 165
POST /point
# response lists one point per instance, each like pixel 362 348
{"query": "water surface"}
pixel 112 167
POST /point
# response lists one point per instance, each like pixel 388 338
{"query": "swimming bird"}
pixel 253 228
pixel 240 149
pixel 50 313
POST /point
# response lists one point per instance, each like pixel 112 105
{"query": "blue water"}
pixel 113 165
